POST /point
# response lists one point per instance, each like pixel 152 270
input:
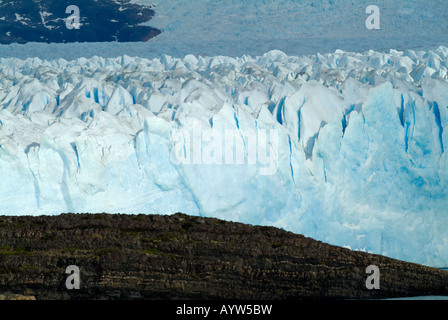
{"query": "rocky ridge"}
pixel 188 257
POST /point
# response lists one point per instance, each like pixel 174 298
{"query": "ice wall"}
pixel 347 148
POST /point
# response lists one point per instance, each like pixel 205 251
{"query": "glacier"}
pixel 360 148
pixel 254 27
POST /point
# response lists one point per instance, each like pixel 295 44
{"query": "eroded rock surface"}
pixel 188 257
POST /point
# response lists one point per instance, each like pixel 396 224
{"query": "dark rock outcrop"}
pixel 23 21
pixel 187 257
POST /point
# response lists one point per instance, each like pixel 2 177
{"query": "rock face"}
pixel 188 257
pixel 23 21
pixel 14 296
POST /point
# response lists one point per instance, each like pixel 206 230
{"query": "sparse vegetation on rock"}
pixel 186 257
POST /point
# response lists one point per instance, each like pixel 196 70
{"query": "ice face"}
pixel 347 148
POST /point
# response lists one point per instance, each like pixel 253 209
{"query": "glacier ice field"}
pixel 360 149
pixel 254 27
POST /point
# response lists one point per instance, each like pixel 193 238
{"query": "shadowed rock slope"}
pixel 23 21
pixel 188 257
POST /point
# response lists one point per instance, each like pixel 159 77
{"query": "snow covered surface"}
pixel 253 27
pixel 357 142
